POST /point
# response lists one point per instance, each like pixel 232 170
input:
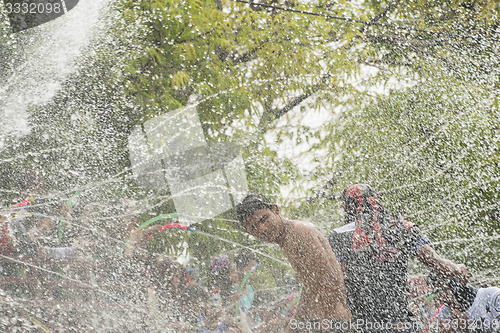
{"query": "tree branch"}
pixel 378 16
pixel 400 41
pixel 375 63
pixel 322 193
pixel 270 115
pixel 250 55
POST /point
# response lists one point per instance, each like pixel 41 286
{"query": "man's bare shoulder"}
pixel 304 230
pixel 302 225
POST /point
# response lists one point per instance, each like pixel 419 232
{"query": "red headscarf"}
pixel 372 224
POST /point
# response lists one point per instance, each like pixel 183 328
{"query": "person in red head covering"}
pixel 373 248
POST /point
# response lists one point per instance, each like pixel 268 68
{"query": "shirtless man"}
pixel 322 305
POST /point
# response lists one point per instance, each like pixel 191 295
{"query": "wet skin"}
pixel 315 264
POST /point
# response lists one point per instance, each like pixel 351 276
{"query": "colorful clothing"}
pixel 374 248
pixel 220 263
pixel 247 298
pixel 374 228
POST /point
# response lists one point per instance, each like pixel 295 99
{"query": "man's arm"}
pixel 441 266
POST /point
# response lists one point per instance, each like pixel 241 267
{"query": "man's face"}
pixel 264 224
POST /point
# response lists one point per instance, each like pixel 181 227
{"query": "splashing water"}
pixel 49 54
pixel 82 280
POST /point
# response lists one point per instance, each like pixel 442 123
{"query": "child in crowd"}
pixel 225 278
pixel 7 246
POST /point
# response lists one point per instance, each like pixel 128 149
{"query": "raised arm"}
pixel 441 266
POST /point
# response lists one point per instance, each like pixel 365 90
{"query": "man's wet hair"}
pixel 251 204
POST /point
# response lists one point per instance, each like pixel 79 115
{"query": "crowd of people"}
pixel 356 280
pixel 70 239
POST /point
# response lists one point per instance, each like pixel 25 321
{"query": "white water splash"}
pixel 50 55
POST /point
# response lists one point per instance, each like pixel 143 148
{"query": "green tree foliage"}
pixel 427 144
pixel 432 151
pixel 416 82
pixel 234 58
pixel 456 37
pixel 266 60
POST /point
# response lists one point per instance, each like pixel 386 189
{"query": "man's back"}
pixel 323 294
pixel 377 291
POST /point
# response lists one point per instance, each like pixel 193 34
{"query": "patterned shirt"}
pixel 377 290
